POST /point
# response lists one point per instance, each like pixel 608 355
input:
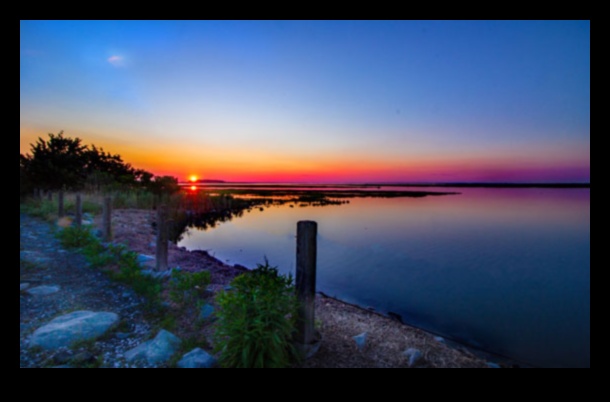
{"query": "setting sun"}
pixel 193 178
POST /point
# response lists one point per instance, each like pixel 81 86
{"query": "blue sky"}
pixel 317 100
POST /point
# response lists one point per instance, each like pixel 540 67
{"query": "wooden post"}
pixel 162 238
pixel 49 196
pixel 306 280
pixel 107 219
pixel 60 203
pixel 78 214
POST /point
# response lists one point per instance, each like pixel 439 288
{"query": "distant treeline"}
pixel 63 163
pixel 492 185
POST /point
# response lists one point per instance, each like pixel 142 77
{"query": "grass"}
pixel 187 287
pixel 43 209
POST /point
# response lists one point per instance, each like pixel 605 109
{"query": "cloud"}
pixel 115 60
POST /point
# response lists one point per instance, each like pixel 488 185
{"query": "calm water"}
pixel 507 270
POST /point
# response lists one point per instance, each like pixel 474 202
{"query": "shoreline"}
pixel 134 228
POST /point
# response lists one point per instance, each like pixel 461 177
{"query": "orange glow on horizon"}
pixel 569 162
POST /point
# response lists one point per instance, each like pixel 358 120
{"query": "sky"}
pixel 317 101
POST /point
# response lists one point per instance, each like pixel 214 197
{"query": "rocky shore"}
pixel 59 289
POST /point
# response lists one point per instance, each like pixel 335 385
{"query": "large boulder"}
pixel 76 326
pixel 157 350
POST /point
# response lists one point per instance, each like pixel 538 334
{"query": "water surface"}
pixel 507 270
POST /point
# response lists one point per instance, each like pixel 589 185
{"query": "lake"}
pixel 504 270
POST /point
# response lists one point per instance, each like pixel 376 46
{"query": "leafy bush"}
pixel 186 287
pixel 74 237
pixel 256 320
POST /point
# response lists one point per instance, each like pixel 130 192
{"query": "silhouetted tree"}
pixel 55 164
pixel 64 163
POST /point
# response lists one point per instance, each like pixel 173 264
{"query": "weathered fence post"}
pixel 162 238
pixel 60 203
pixel 306 282
pixel 78 214
pixel 107 219
pixel 49 196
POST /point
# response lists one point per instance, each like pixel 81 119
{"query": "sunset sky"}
pixel 317 101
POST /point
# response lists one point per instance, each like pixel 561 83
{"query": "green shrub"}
pixel 98 256
pixel 185 287
pixel 74 237
pixel 39 208
pixel 130 273
pixel 256 320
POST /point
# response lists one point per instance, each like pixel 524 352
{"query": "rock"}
pixel 157 350
pixel 240 267
pixel 197 358
pixel 206 311
pixel 43 290
pixel 24 286
pixel 439 339
pixel 84 358
pixel 75 326
pixel 310 349
pixel 143 258
pixel 62 357
pixel 360 340
pixel 493 365
pixel 64 222
pixel 395 316
pixel 33 257
pixel 414 356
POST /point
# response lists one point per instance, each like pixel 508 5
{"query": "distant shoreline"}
pixel 368 185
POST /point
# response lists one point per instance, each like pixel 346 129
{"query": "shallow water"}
pixel 507 270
